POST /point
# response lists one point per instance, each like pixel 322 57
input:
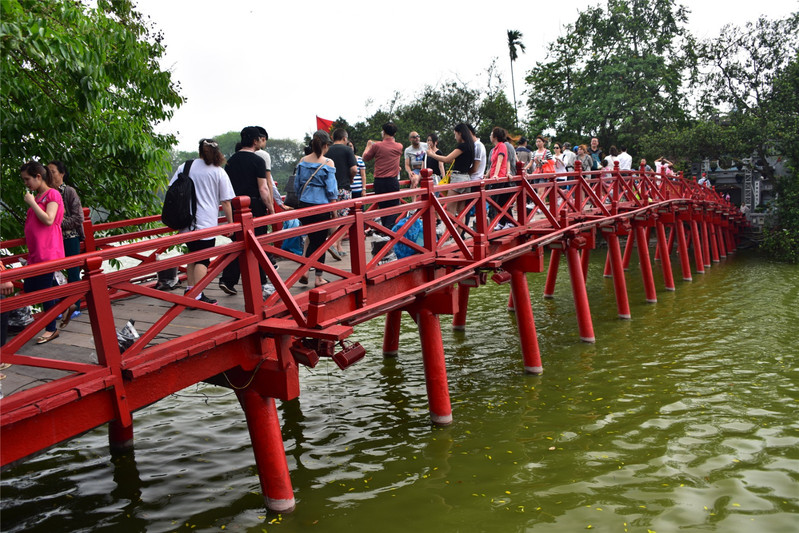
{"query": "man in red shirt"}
pixel 387 154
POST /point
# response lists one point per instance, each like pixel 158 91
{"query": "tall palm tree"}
pixel 514 40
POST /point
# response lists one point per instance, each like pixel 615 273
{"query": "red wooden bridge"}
pixel 254 345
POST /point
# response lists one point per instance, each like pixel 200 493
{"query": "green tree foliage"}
pixel 617 73
pixel 83 85
pixel 742 66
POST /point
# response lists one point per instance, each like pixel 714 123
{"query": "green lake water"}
pixel 681 419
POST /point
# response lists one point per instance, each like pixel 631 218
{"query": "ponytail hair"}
pixel 209 152
pixel 320 139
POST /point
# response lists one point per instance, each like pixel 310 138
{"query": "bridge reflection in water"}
pixel 253 345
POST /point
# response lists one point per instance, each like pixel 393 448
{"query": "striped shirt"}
pixel 357 182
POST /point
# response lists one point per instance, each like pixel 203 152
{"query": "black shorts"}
pixel 196 246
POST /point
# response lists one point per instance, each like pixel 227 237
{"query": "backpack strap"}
pixel 186 171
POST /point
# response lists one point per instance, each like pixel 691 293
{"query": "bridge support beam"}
pixel 435 369
pixel 722 245
pixel 705 243
pixel 267 445
pixel 646 266
pixel 665 257
pixel 628 250
pixel 120 438
pixel 525 321
pixel 459 317
pixel 682 249
pixel 696 244
pixel 617 271
pixel 714 243
pixel 580 294
pixel 392 333
pixel 552 273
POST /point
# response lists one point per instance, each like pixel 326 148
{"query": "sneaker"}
pixel 499 227
pixel 334 253
pixel 267 289
pixel 206 299
pixel 391 256
pixel 508 225
pixel 227 289
pixel 440 229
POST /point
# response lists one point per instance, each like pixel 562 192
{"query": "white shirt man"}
pixel 415 158
pixel 625 160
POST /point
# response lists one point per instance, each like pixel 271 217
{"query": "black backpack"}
pixel 180 201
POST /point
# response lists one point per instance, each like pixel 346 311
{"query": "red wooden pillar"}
pixel 646 266
pixel 120 437
pixel 552 271
pixel 585 258
pixel 525 322
pixel 608 272
pixel 511 305
pixel 714 244
pixel 696 243
pixel 628 250
pixel 722 246
pixel 668 277
pixel 267 445
pixel 730 242
pixel 580 294
pixel 705 242
pixel 435 369
pixel 682 249
pixel 459 318
pixel 392 333
pixel 617 268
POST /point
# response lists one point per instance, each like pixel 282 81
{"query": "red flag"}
pixel 323 124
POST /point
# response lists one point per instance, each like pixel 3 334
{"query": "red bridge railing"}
pixel 258 347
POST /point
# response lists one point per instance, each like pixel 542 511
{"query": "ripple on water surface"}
pixel 682 418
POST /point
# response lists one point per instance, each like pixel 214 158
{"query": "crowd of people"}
pixel 331 170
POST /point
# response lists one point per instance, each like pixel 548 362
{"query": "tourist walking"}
pixel 316 185
pixel 212 187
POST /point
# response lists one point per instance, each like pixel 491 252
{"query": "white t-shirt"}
pixel 416 155
pixel 569 158
pixel 212 186
pixel 266 157
pixel 625 161
pixel 479 155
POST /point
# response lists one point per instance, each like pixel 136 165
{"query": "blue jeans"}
pixel 38 283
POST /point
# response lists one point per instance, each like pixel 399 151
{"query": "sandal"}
pixel 320 282
pixel 45 340
pixel 304 279
pixel 67 316
pixel 5 366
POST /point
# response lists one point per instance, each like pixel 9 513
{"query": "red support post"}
pixel 682 250
pixel 526 323
pixel 628 250
pixel 665 258
pixel 580 294
pixel 731 246
pixel 646 266
pixel 552 273
pixel 511 305
pixel 608 272
pixel 459 318
pixel 392 333
pixel 714 243
pixel 120 438
pixel 722 246
pixel 435 369
pixel 585 258
pixel 619 282
pixel 696 243
pixel 705 242
pixel 267 445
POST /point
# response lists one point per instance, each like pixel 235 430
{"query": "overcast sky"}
pixel 279 64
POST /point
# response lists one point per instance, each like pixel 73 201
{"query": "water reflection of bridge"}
pixel 254 346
